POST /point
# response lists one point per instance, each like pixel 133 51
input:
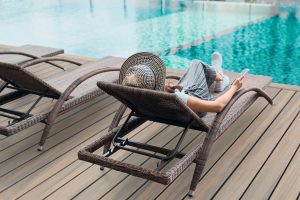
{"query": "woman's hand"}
pixel 170 87
pixel 238 83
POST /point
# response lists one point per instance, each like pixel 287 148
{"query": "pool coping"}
pixel 285 86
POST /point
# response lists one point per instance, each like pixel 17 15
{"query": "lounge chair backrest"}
pixel 155 105
pixel 23 79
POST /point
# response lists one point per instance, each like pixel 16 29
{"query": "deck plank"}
pixel 255 158
pixel 286 87
pixel 288 186
pixel 75 135
pixel 267 178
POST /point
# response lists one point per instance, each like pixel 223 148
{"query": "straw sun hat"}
pixel 143 70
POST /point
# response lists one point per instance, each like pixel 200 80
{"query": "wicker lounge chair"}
pixel 20 55
pixel 169 110
pixel 66 88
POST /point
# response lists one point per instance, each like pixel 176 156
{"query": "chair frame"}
pixel 198 155
pixel 57 109
pixel 32 57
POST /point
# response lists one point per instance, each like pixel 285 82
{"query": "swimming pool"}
pixel 121 27
pixel 270 47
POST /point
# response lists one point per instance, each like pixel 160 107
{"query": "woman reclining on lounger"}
pixel 194 86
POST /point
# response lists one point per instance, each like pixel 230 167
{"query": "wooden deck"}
pixel 258 157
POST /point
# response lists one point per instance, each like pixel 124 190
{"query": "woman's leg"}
pixel 197 80
pixel 210 74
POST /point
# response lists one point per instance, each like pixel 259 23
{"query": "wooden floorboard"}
pixel 286 87
pixel 265 180
pixel 54 159
pixel 257 157
pixel 259 153
pixel 289 184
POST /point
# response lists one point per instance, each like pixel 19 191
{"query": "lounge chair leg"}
pixel 196 177
pixel 105 150
pixel 40 148
pixel 44 136
pixel 106 147
pixel 191 193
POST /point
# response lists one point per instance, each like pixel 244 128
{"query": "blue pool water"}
pixel 87 27
pixel 122 27
pixel 270 47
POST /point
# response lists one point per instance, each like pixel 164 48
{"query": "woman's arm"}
pixel 217 105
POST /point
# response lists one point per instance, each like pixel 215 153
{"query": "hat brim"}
pixel 150 60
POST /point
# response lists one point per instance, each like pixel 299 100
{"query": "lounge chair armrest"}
pixel 47 60
pixel 213 132
pixel 173 77
pixel 221 115
pixel 73 86
pixel 18 53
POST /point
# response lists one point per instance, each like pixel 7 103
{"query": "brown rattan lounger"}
pixel 20 55
pixel 65 88
pixel 169 110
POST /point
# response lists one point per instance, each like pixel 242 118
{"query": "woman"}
pixel 195 85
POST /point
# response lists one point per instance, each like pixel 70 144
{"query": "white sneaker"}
pixel 216 62
pixel 221 85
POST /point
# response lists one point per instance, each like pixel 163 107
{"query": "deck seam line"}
pixel 241 161
pixel 53 159
pixel 297 151
pixel 286 168
pixel 270 154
